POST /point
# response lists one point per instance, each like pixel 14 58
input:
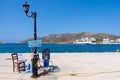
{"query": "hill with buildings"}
pixel 71 37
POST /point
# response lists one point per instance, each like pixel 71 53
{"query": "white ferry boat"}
pixel 84 41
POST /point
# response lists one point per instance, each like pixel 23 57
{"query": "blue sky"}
pixel 58 16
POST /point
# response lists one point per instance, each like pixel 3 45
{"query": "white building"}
pixel 118 41
pixel 106 41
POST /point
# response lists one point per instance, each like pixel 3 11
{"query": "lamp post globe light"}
pixel 26 7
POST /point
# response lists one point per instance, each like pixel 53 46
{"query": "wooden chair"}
pixel 16 63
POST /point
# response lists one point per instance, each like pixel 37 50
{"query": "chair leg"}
pixel 13 68
pixel 18 67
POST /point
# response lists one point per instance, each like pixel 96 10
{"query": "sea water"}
pixel 59 48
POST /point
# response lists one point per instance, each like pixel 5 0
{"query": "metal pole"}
pixel 35 57
pixel 35 30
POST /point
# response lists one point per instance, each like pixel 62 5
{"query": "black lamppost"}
pixel 35 58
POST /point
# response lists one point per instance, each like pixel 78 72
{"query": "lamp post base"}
pixel 35 66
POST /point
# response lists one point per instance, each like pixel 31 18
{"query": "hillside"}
pixel 69 38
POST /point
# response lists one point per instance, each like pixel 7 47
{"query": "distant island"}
pixel 1 43
pixel 71 37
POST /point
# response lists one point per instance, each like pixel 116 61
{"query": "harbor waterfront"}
pixel 59 48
